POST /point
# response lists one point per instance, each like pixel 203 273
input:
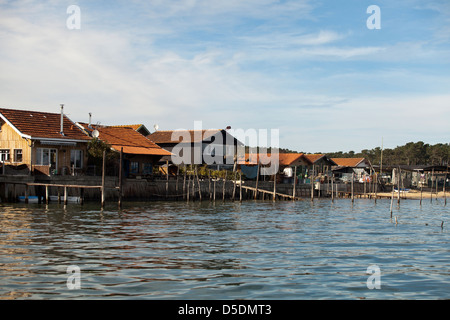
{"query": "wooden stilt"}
pixel 295 183
pixel 223 188
pixel 103 180
pixel 257 179
pixel 120 177
pixel 240 186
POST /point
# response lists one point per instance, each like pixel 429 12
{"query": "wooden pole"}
pixel 240 186
pixel 311 178
pixel 187 193
pixel 398 185
pixel 332 187
pixel 120 177
pixel 224 183
pixel 214 187
pixel 184 182
pixel 257 179
pixel 103 179
pixel 295 183
pixel 65 195
pixel 209 185
pixel 198 182
pixel 392 196
pixel 46 194
pixel 26 193
pixel 167 179
pixel 274 187
pixel 431 190
pixel 234 185
pixel 444 188
pixel 353 178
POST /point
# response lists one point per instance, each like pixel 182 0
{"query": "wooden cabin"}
pixel 140 154
pixel 41 142
pixel 320 165
pixel 214 147
pixel 346 167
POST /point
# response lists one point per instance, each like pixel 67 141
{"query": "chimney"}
pixel 62 120
pixel 90 118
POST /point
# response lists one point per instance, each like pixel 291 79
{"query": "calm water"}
pixel 253 250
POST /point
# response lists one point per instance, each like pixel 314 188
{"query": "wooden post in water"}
pixel 392 196
pixel 26 193
pixel 275 187
pixel 431 190
pixel 199 186
pixel 234 185
pixel 240 186
pixel 103 180
pixel 311 178
pixel 209 185
pixel 214 187
pixel 184 182
pixel 65 195
pixel 187 192
pixel 46 194
pixel 332 185
pixel 398 185
pixel 444 188
pixel 257 179
pixel 223 187
pixel 295 183
pixel 353 178
pixel 167 179
pixel 120 177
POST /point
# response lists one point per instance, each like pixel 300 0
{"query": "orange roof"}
pixel 130 140
pixel 284 159
pixel 313 157
pixel 45 125
pixel 348 162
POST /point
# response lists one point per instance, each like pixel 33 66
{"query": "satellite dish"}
pixel 156 127
pixel 95 133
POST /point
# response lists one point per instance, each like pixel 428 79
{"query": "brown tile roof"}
pixel 347 162
pixel 130 140
pixel 166 136
pixel 284 159
pixel 314 157
pixel 43 124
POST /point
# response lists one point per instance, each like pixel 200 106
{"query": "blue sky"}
pixel 311 69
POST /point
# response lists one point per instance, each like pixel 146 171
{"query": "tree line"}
pixel 412 153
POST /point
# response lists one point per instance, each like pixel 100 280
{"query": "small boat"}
pixel 34 199
pixel 31 199
pixel 69 199
pixel 402 190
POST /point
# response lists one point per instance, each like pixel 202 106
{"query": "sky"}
pixel 313 70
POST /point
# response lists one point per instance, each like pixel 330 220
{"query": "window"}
pixel 134 167
pixel 4 155
pixel 76 159
pixel 148 168
pixel 45 157
pixel 18 155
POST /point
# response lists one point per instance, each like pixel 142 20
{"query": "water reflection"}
pixel 282 250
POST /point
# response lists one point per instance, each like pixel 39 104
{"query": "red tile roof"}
pixel 130 140
pixel 314 157
pixel 348 162
pixel 284 159
pixel 42 124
